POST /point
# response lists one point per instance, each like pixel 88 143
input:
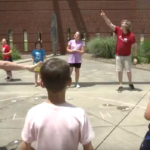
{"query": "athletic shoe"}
pixel 6 78
pixel 131 86
pixel 77 86
pixel 120 89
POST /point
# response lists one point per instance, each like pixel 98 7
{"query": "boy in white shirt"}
pixel 56 124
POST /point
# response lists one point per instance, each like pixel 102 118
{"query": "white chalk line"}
pixel 10 93
pixel 14 116
pixel 102 115
pixel 103 99
pixel 7 99
pixel 19 119
pixel 106 114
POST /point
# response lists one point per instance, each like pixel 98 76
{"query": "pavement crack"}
pixel 121 122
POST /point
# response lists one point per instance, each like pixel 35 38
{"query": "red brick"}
pixel 34 16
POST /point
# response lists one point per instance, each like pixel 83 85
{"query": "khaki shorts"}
pixel 123 62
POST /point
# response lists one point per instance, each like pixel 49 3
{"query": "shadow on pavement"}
pixel 85 84
pixel 4 148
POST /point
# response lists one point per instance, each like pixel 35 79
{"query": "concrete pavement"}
pixel 117 118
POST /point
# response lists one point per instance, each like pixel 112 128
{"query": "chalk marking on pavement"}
pixel 103 99
pixel 106 114
pixel 102 115
pixel 14 116
pixel 7 99
pixel 19 118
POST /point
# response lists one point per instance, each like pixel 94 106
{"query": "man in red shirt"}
pixel 125 41
pixel 6 51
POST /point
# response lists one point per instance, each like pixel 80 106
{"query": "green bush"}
pixel 15 54
pixel 101 47
pixel 143 53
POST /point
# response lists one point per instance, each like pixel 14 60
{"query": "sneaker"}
pixel 120 89
pixel 9 79
pixel 131 86
pixel 6 78
pixel 77 86
pixel 36 84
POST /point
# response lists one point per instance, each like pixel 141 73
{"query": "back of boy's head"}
pixel 55 75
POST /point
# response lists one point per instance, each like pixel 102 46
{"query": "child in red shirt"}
pixel 6 51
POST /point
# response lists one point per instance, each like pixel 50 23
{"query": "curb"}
pixel 29 59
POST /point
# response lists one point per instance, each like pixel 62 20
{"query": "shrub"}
pixel 143 55
pixel 101 47
pixel 15 54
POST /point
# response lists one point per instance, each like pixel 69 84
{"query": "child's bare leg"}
pixel 10 74
pixel 7 73
pixel 36 78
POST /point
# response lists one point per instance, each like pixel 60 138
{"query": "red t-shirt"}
pixel 5 49
pixel 124 42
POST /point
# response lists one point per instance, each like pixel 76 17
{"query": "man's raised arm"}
pixel 108 22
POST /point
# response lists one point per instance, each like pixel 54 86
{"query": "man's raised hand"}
pixel 102 13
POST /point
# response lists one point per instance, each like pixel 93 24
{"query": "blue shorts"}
pixel 8 59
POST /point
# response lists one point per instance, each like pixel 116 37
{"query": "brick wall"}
pixel 35 15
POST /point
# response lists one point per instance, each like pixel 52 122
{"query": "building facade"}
pixel 26 21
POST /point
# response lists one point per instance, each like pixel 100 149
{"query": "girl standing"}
pixel 75 49
pixel 38 54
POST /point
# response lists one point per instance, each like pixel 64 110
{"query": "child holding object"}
pixel 38 54
pixel 56 124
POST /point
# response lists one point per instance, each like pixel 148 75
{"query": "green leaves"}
pixel 102 47
pixel 143 53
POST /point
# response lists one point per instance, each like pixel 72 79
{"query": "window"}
pixel 40 36
pixel 10 38
pixel 68 34
pixel 25 40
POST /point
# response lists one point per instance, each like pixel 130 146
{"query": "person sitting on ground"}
pixel 56 124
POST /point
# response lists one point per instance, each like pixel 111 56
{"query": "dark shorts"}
pixel 146 142
pixel 76 65
pixel 8 59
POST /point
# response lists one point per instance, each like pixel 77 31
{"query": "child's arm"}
pixel 69 50
pixel 32 54
pixel 147 112
pixel 26 146
pixel 32 60
pixel 28 135
pixel 44 55
pixel 88 146
pixel 86 133
pixel 8 53
pixel 81 51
